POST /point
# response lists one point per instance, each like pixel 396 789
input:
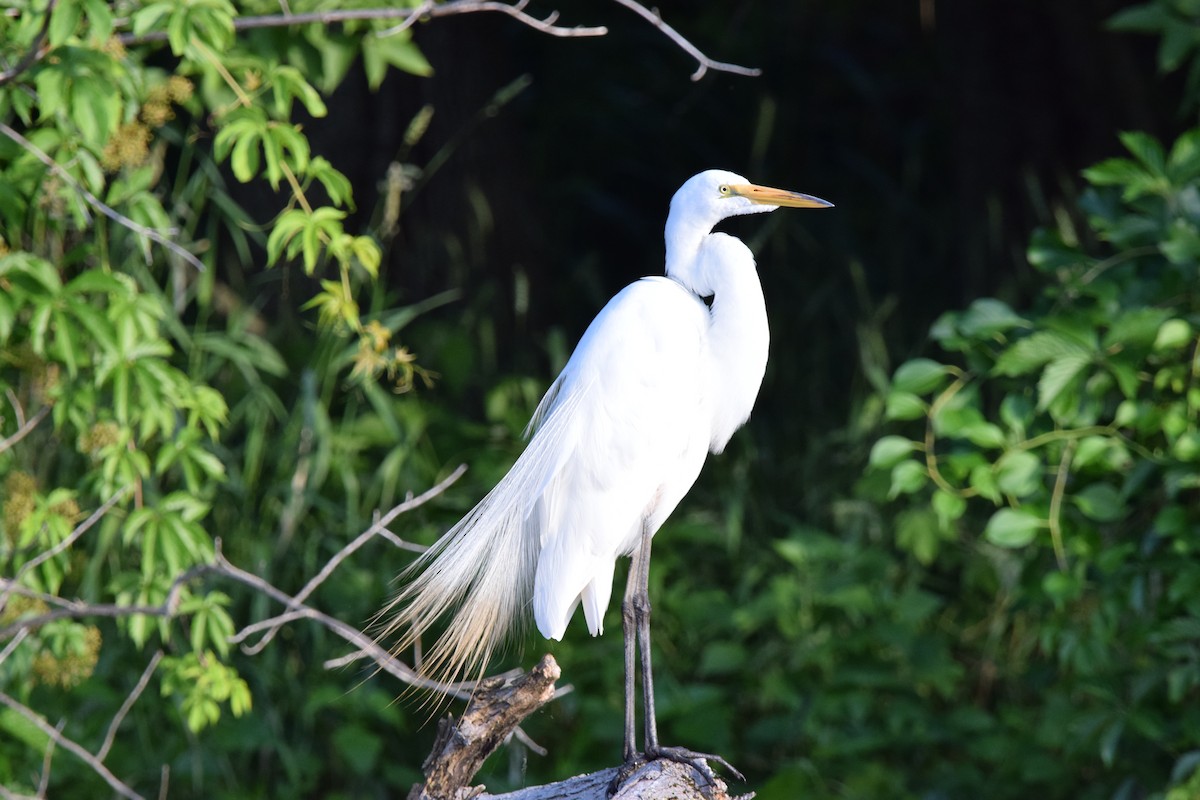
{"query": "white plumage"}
pixel 665 374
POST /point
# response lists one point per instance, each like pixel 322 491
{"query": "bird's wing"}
pixel 625 431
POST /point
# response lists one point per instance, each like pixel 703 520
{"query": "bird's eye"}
pixel 723 189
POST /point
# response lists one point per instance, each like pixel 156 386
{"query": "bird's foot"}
pixel 698 761
pixel 632 764
pixel 681 755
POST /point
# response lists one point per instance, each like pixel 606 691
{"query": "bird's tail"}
pixel 481 572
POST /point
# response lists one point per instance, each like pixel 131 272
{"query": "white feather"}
pixel 658 380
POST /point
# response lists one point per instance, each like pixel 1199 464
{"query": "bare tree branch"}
pixel 384 659
pixel 35 52
pixel 14 644
pixel 25 427
pixel 705 63
pixel 496 708
pixel 430 9
pixel 330 565
pixel 132 698
pixel 118 786
pixel 77 609
pixel 44 783
pixel 161 237
pixel 408 16
pixel 80 530
pixel 487 733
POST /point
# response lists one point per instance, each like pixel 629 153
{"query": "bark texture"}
pixel 495 711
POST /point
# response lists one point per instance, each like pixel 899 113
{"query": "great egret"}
pixel 665 374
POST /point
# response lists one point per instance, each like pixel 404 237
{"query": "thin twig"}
pixel 270 624
pixel 75 609
pixel 1056 499
pixel 14 644
pixel 25 429
pixel 431 10
pixel 358 542
pixel 521 736
pixel 134 694
pixel 35 52
pixel 80 530
pixel 44 782
pixel 72 746
pixel 160 237
pixel 16 406
pixel 379 655
pixel 705 63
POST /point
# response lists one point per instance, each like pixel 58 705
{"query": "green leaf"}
pixel 1183 164
pixel 1019 473
pixel 919 376
pixel 904 406
pixel 1147 150
pixel 1101 502
pixel 63 21
pixel 1038 348
pixel 983 434
pixel 1173 334
pixel 907 477
pixel 399 51
pixel 987 317
pixel 1057 376
pixel 1062 587
pixel 1013 528
pixel 1090 450
pixel 948 508
pixel 147 18
pixel 1127 375
pixel 1145 18
pixel 337 185
pixel 1135 328
pixel 889 451
pixel 100 20
pixel 287 83
pixel 368 254
pixel 983 480
pixel 1047 251
pixel 8 316
pixel 1187 446
pixel 1017 412
pixel 1110 740
pixel 917 533
pixel 1178 40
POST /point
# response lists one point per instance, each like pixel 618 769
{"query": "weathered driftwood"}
pixel 494 712
pixel 657 780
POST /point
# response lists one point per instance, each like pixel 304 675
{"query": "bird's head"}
pixel 711 196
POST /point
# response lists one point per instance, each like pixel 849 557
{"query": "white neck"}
pixel 722 267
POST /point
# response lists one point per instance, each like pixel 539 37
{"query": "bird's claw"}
pixel 698 761
pixel 680 755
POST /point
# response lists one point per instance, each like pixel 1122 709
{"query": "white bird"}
pixel 664 375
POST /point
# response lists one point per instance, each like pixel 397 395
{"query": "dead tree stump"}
pixel 496 709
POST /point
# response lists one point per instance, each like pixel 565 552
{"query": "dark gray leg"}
pixel 629 627
pixel 635 616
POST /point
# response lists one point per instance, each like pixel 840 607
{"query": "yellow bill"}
pixel 765 195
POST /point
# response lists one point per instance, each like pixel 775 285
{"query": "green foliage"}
pixel 144 402
pixel 1174 22
pixel 203 683
pixel 1004 607
pixel 1061 444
